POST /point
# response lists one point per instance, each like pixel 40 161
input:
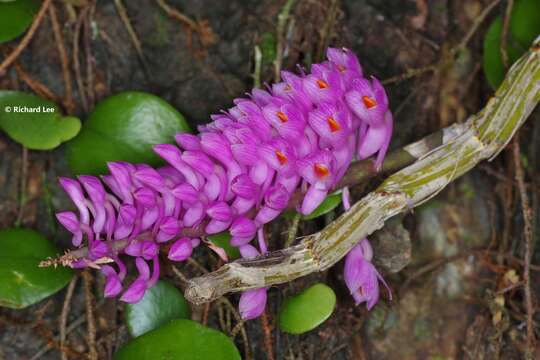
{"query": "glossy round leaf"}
pixel 35 122
pixel 160 304
pixel 15 17
pixel 223 240
pixel 124 127
pixel 307 310
pixel 22 282
pixel 525 21
pixel 180 339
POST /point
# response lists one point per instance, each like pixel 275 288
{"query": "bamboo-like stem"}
pixel 463 146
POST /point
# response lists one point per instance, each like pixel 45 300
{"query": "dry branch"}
pixel 462 147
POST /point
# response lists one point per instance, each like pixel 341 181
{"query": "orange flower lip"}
pixel 333 124
pixel 322 84
pixel 321 171
pixel 369 101
pixel 282 117
pixel 281 157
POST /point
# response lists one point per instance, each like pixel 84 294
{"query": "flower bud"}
pixel 252 303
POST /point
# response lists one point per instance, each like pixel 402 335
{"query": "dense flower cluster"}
pixel 238 174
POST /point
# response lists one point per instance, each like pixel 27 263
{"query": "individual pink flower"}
pixel 361 277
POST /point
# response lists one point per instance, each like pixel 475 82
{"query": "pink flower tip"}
pixel 135 292
pixel 181 250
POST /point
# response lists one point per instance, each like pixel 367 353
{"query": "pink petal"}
pixel 313 198
pixel 188 141
pixel 252 303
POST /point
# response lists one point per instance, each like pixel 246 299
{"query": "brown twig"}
pixel 122 12
pixel 453 52
pixel 507 198
pixel 239 327
pixel 509 288
pixel 174 13
pixel 433 265
pixel 528 233
pixel 70 328
pixel 293 229
pixel 89 58
pixel 178 273
pixel 36 86
pixel 41 330
pixel 476 24
pixel 51 342
pixel 69 105
pixel 26 39
pixel 202 27
pixel 206 313
pixel 90 318
pixel 504 35
pixel 411 73
pixel 65 313
pixel 267 330
pixel 530 186
pixel 197 265
pixel 76 61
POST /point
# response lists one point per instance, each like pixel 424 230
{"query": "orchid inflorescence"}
pixel 236 175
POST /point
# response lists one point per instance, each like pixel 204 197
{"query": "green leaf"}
pixel 223 240
pixel 160 304
pixel 22 282
pixel 180 339
pixel 525 21
pixel 307 310
pixel 268 47
pixel 330 203
pixel 124 127
pixel 35 122
pixel 15 17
